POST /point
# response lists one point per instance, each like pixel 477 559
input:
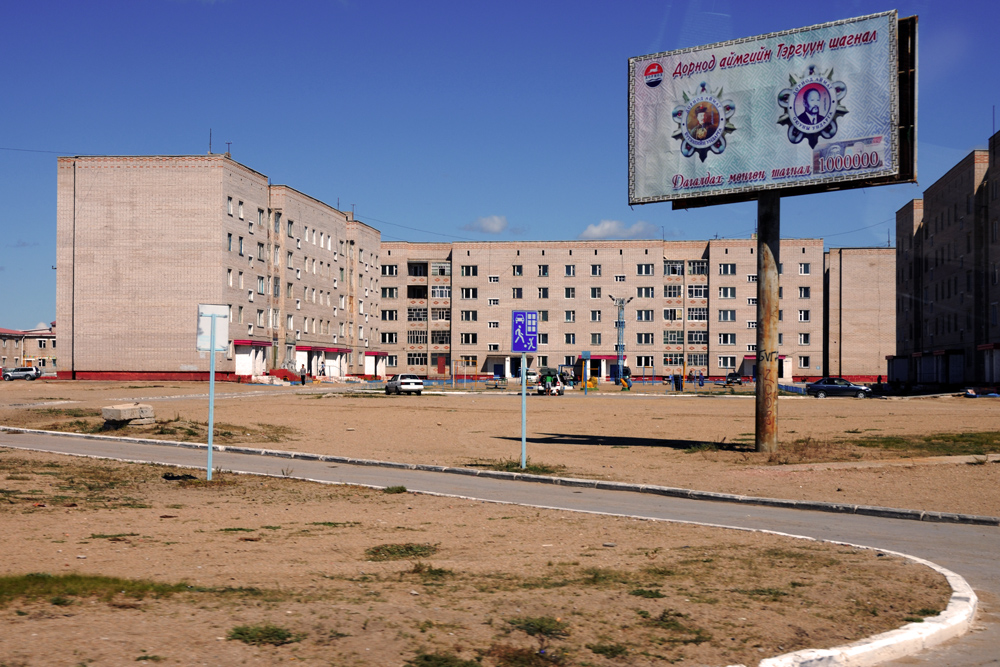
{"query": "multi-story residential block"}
pixel 860 291
pixel 142 240
pixel 691 306
pixel 945 252
pixel 29 347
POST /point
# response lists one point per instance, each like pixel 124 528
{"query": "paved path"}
pixel 971 551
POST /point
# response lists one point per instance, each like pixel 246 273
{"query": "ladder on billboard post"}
pixel 524 339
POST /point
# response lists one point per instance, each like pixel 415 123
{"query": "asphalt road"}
pixel 971 551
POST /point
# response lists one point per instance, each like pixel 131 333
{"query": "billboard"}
pixel 804 110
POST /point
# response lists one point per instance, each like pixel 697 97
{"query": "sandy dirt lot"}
pixel 686 441
pixel 473 580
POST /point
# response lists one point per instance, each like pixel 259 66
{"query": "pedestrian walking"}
pixel 302 374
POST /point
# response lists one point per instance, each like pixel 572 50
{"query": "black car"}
pixel 734 378
pixel 837 387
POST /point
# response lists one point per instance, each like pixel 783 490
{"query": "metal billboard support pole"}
pixel 768 243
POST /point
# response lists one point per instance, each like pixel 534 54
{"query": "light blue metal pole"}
pixel 211 397
pixel 524 412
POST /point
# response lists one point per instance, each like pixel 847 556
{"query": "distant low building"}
pixel 29 347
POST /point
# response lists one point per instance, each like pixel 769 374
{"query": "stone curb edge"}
pixel 818 506
pixel 912 638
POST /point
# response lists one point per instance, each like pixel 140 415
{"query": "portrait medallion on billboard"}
pixel 703 122
pixel 811 106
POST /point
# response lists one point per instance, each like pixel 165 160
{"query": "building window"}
pixel 672 291
pixel 229 242
pixel 389 269
pixel 392 360
pixel 697 314
pixel 752 278
pixel 698 267
pixel 803 292
pixel 493 325
pixel 727 362
pixel 229 205
pixel 644 361
pixel 470 315
pixel 469 338
pixel 644 316
pixel 570 292
pixel 390 292
pixel 781 339
pixel 518 270
pixel 570 338
pixel 595 316
pixel 493 302
pixel 697 338
pixel 643 269
pixel 619 279
pixel 543 339
pixel 673 358
pixel 727 339
pixel 727 292
pixel 804 271
pixel 241 246
pixel 390 315
pixel 494 279
pixel 517 292
pixel 697 291
pixel 241 210
pixel 803 339
pixel 440 291
pixel 493 347
pixel 416 314
pixel 416 270
pixel 595 269
pixel 260 284
pixel 440 268
pixel 727 315
pixel 595 339
pixel 803 316
pixel 470 292
pixel 644 339
pixel 416 337
pixel 389 337
pixel 727 269
pixel 470 270
pixel 570 316
pixel 644 292
pixel 416 358
pixel 595 292
pixel 569 360
pixel 673 267
pixel 441 314
pixel 543 292
pixel 697 359
pixel 803 362
pixel 543 270
pixel 672 314
pixel 570 270
pixel 751 301
pixel 751 324
pixel 229 277
pixel 673 337
pixel 543 316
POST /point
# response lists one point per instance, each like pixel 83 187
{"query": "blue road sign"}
pixel 524 331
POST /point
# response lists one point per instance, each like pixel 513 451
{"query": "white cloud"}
pixel 490 224
pixel 616 229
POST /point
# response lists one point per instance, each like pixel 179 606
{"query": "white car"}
pixel 404 382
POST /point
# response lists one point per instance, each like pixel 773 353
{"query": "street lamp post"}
pixel 620 326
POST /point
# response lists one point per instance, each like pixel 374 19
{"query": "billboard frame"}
pixel 905 128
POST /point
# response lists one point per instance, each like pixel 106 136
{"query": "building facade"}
pixel 947 256
pixel 446 307
pixel 143 240
pixel 29 347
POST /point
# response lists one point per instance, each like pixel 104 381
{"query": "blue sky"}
pixel 435 121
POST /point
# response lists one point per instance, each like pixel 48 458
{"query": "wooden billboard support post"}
pixel 768 243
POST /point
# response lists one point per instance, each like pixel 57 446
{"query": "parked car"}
pixel 734 378
pixel 404 382
pixel 22 373
pixel 531 377
pixel 837 387
pixel 551 377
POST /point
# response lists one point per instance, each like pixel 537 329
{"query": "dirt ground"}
pixel 252 552
pixel 730 597
pixel 687 441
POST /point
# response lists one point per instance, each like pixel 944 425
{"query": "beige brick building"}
pixel 446 308
pixel 142 240
pixel 946 280
pixel 861 312
pixel 29 347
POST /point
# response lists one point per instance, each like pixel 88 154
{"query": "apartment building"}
pixel 947 252
pixel 691 306
pixel 860 313
pixel 143 240
pixel 29 347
